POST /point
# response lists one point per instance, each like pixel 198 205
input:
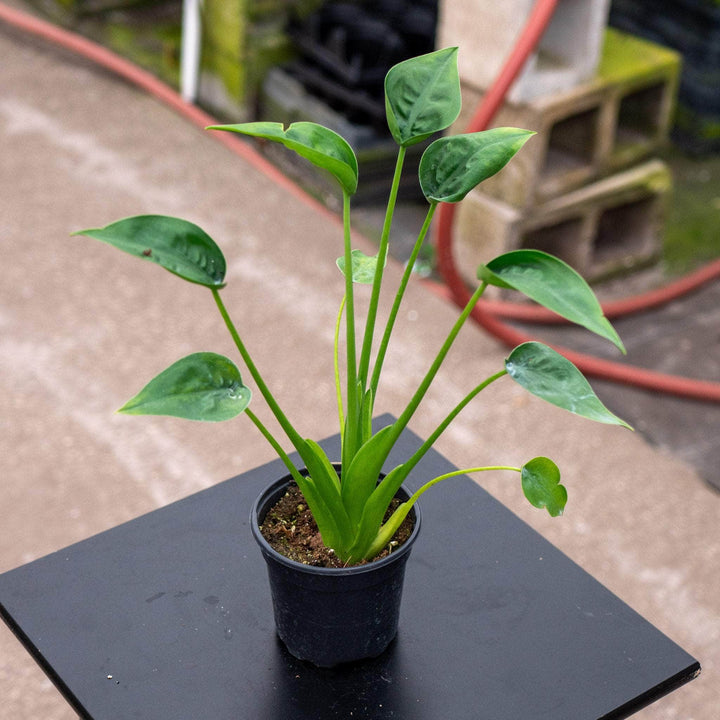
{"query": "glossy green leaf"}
pixel 202 386
pixel 541 484
pixel 323 496
pixel 388 529
pixel 422 96
pixel 452 166
pixel 375 508
pixel 319 465
pixel 548 375
pixel 324 518
pixel 177 245
pixel 553 284
pixel 363 267
pixel 321 146
pixel 361 478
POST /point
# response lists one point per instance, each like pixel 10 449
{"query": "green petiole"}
pixel 416 399
pixel 415 458
pixel 336 367
pixel 398 298
pixel 275 446
pixel 391 526
pixel 350 436
pixel 377 281
pixel 290 431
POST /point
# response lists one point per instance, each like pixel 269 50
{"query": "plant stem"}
pixel 415 458
pixel 403 420
pixel 336 367
pixel 350 439
pixel 387 531
pixel 398 299
pixel 377 280
pixel 275 446
pixel 455 473
pixel 290 431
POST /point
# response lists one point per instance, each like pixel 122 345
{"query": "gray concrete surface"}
pixel 82 328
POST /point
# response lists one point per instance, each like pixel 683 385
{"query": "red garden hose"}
pixel 486 313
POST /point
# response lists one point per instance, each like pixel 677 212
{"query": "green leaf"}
pixel 452 166
pixel 322 491
pixel 422 96
pixel 386 532
pixel 324 518
pixel 541 484
pixel 363 267
pixel 202 386
pixel 548 375
pixel 319 466
pixel 553 284
pixel 360 479
pixel 375 508
pixel 177 245
pixel 323 147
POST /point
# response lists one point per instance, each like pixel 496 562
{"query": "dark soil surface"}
pixel 291 530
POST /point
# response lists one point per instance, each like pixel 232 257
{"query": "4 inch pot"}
pixel 329 616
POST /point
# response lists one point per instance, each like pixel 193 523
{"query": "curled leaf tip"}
pixel 540 479
pixel 452 166
pixel 422 96
pixel 318 144
pixel 179 246
pixel 553 284
pixel 202 386
pixel 547 374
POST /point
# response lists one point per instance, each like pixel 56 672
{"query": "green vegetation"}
pixel 422 98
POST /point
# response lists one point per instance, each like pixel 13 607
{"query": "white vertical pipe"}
pixel 190 50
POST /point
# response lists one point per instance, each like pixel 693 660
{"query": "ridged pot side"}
pixel 329 616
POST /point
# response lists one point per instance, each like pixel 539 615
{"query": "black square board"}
pixel 167 617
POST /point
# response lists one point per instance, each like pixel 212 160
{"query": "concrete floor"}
pixel 83 328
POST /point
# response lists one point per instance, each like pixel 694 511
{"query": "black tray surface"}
pixel 168 616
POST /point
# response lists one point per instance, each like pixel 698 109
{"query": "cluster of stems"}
pixel 359 383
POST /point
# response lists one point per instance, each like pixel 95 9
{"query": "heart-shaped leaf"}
pixel 553 284
pixel 177 245
pixel 548 375
pixel 452 166
pixel 422 96
pixel 363 267
pixel 541 484
pixel 323 147
pixel 202 386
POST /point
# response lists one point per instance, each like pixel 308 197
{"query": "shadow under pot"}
pixel 329 616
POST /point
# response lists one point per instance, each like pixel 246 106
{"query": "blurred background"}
pixel 622 181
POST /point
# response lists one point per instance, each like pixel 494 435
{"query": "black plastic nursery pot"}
pixel 329 616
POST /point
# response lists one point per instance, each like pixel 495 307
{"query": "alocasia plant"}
pixel 422 99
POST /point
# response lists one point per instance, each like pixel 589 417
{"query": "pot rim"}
pixel 368 567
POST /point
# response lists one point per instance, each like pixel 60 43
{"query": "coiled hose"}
pixel 490 314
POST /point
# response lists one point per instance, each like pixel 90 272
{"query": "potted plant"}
pixel 352 606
